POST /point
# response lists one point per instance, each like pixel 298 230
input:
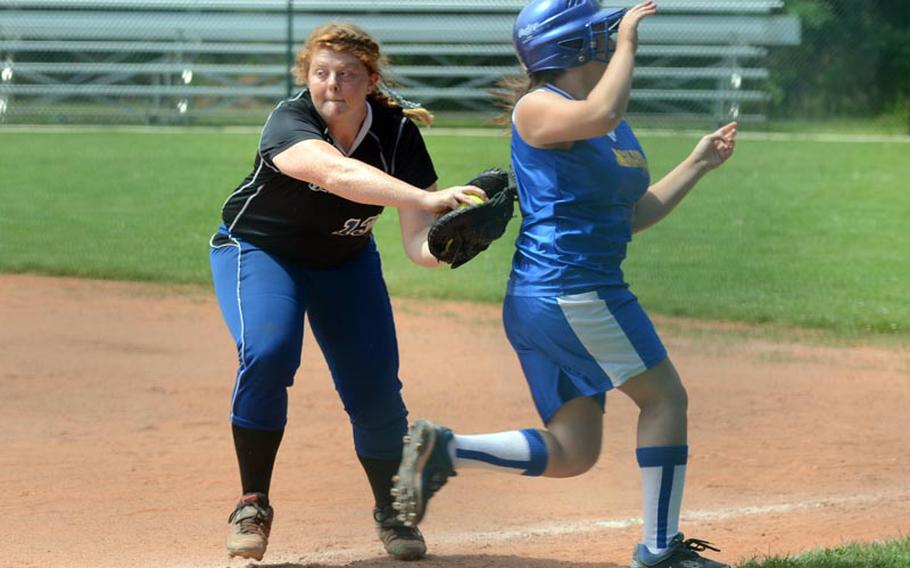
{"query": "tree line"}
pixel 854 60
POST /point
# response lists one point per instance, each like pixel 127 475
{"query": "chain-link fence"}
pixel 227 61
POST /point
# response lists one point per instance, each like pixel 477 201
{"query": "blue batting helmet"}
pixel 558 34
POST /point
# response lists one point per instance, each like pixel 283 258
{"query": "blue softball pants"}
pixel 264 298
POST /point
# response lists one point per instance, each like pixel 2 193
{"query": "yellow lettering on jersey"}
pixel 630 158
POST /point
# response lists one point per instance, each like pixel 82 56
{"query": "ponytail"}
pixel 511 88
pixel 389 97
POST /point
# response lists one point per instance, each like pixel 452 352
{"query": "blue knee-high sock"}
pixel 517 451
pixel 663 474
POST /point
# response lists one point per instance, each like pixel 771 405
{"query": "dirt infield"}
pixel 118 453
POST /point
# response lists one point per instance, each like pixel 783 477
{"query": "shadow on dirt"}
pixel 459 561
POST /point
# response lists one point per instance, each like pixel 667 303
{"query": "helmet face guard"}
pixel 559 34
pixel 601 31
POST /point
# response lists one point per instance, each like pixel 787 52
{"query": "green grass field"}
pixel 888 554
pixel 789 233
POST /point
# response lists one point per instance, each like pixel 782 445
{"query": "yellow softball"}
pixel 475 198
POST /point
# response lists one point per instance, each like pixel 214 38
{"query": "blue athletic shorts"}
pixel 580 344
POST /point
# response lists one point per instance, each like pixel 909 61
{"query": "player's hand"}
pixel 716 148
pixel 450 198
pixel 628 26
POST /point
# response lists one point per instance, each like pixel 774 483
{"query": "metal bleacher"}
pixel 189 61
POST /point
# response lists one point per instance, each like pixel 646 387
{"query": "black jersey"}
pixel 301 221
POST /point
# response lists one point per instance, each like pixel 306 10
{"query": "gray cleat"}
pixel 425 467
pixel 400 541
pixel 680 554
pixel 249 526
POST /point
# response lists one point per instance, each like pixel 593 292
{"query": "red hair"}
pixel 350 39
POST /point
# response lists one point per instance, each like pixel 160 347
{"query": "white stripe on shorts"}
pixel 603 337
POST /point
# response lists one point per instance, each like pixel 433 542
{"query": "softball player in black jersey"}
pixel 297 239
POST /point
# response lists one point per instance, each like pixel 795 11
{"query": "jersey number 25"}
pixel 356 227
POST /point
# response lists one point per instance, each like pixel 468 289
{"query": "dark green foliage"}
pixel 854 60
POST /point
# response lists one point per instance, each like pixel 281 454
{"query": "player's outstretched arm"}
pixel 321 163
pixel 711 152
pixel 415 225
pixel 544 119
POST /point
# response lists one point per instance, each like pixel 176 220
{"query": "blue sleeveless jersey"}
pixel 576 208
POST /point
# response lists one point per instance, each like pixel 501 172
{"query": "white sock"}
pixel 517 451
pixel 663 476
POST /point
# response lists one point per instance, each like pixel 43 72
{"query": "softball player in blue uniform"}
pixel 297 240
pixel 577 329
